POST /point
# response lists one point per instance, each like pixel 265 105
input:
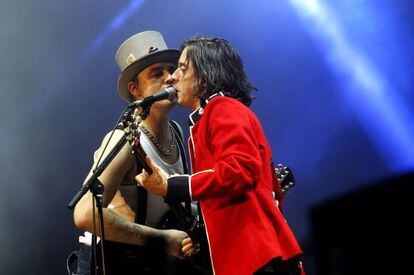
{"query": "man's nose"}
pixel 171 79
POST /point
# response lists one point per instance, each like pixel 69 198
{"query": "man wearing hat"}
pixel 133 217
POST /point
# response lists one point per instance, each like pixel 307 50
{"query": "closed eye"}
pixel 158 72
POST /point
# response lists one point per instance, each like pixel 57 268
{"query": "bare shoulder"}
pixel 108 144
pixel 120 169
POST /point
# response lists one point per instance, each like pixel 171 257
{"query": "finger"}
pixel 141 177
pixel 144 175
pixel 187 248
pixel 186 241
pixel 138 178
pixel 151 163
pixel 189 252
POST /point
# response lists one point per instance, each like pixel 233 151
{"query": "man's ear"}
pixel 133 89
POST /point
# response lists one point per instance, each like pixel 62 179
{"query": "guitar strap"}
pixel 141 216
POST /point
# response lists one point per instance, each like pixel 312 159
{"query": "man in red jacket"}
pixel 231 166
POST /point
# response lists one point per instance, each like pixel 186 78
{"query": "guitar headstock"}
pixel 130 122
pixel 286 178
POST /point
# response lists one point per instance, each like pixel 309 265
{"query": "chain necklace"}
pixel 166 151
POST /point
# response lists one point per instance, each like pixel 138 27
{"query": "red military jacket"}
pixel 232 181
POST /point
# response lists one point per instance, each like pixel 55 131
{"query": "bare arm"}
pixel 118 228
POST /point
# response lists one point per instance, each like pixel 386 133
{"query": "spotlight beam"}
pixel 385 117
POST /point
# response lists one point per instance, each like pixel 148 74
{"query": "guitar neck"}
pixel 141 156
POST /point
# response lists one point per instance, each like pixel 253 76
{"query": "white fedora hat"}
pixel 138 52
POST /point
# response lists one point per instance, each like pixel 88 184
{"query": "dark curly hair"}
pixel 219 67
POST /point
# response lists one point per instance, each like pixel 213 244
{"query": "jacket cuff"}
pixel 178 188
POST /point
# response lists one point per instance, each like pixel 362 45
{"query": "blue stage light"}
pixel 113 26
pixel 386 118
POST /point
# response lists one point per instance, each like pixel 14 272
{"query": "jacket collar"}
pixel 196 115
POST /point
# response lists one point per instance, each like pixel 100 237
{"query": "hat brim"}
pixel 170 55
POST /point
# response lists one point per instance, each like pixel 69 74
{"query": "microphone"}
pixel 169 93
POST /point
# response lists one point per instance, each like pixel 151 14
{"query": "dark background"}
pixel 335 96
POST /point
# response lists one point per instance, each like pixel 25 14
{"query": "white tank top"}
pixel 156 207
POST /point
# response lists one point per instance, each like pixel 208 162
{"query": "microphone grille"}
pixel 172 93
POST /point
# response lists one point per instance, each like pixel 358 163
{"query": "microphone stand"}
pixel 97 188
